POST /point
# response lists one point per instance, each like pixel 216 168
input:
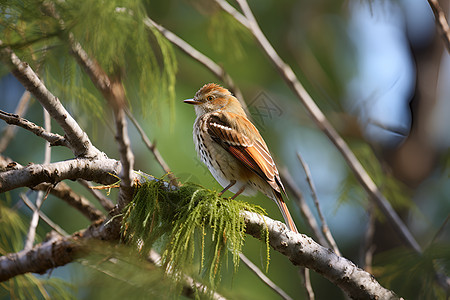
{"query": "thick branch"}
pixel 304 251
pixel 78 140
pixel 101 171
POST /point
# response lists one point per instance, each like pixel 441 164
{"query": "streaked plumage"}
pixel 232 148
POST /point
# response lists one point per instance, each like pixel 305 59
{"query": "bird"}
pixel 233 150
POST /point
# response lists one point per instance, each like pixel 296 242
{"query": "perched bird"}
pixel 232 148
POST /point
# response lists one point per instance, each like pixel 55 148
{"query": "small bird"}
pixel 232 148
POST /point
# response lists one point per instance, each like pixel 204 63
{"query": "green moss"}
pixel 190 225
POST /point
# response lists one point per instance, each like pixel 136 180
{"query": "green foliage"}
pixel 414 275
pixel 113 33
pixel 13 230
pixel 226 33
pixel 191 224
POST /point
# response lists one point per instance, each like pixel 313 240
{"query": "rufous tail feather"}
pixel 285 212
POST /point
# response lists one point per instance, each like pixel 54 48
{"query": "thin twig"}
pixel 325 229
pixel 159 159
pixel 321 121
pixel 9 131
pixel 104 201
pixel 214 68
pixel 368 246
pixel 305 273
pixel 43 216
pixel 53 138
pixel 40 195
pixel 126 158
pixel 441 22
pixel 304 208
pixel 263 277
pixel 31 235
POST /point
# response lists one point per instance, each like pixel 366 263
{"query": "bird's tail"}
pixel 285 212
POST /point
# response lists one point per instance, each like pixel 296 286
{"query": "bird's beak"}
pixel 192 101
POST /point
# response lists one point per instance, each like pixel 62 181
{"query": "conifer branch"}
pixel 78 140
pixel 113 91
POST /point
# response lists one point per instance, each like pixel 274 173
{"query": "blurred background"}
pixel 378 70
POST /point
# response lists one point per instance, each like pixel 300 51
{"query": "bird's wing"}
pixel 237 135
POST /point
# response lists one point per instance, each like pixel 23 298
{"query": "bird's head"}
pixel 212 97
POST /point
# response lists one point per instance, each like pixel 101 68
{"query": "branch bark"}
pixel 304 251
pixel 102 171
pixel 53 138
pixel 79 142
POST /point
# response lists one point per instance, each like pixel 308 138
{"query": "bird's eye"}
pixel 210 98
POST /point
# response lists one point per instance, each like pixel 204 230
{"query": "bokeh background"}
pixel 379 71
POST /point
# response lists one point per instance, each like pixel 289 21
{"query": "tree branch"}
pixel 53 138
pixel 102 171
pixel 78 140
pixel 303 251
pixel 325 229
pixel 300 249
